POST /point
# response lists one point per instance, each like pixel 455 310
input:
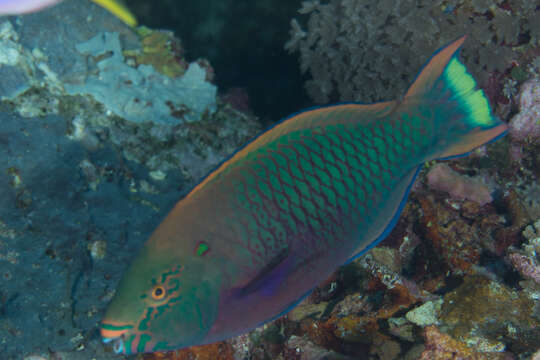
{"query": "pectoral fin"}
pixel 270 276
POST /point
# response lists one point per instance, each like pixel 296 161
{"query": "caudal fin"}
pixel 447 96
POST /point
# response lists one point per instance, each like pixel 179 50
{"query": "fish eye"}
pixel 158 293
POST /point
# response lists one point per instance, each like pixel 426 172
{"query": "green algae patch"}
pixel 488 314
pixel 162 50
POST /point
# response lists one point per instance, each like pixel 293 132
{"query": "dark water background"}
pixel 244 42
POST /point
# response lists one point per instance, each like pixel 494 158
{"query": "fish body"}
pixel 15 7
pixel 18 7
pixel 276 219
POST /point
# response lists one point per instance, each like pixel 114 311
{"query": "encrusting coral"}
pixel 525 126
pixel 441 177
pixel 527 260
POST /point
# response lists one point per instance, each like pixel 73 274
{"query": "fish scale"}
pixel 274 220
pixel 322 190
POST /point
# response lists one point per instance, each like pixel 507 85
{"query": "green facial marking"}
pixel 175 271
pixel 170 283
pixel 128 344
pixel 161 345
pixel 202 249
pixel 142 342
pixel 115 327
pixel 143 325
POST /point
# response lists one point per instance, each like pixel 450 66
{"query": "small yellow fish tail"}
pixel 119 10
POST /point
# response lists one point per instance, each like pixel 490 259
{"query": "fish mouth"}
pixel 117 343
pixel 115 334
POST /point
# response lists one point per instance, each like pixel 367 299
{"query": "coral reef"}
pixel 456 243
pixel 221 351
pixel 487 315
pixel 526 265
pixel 441 346
pixel 525 126
pixel 527 260
pixel 426 314
pixel 162 50
pixel 302 349
pixel 136 92
pixel 146 95
pixel 442 178
pixel 347 44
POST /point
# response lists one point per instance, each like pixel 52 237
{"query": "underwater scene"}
pixel 270 180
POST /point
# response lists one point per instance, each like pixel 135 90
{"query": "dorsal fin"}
pixel 433 69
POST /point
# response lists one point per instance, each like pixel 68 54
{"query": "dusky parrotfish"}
pixel 17 7
pixel 278 217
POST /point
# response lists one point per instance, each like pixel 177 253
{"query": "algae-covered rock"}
pixel 303 349
pixel 441 346
pixel 426 314
pixel 307 310
pixel 142 94
pixel 525 126
pixel 487 314
pixel 162 50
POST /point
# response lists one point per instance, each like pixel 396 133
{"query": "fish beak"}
pixel 116 335
pixel 117 343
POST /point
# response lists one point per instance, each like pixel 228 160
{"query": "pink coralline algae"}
pixel 527 260
pixel 441 346
pixel 442 178
pixel 526 266
pixel 525 126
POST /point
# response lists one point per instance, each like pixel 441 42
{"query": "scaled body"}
pixel 277 218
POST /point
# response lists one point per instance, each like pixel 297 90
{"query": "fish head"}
pixel 163 302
